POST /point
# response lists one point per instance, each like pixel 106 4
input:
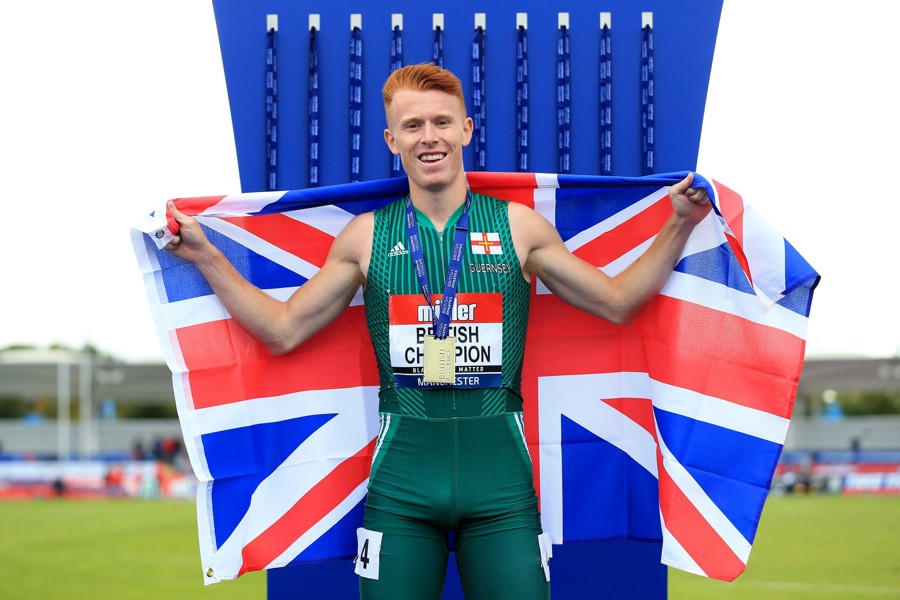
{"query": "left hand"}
pixel 688 202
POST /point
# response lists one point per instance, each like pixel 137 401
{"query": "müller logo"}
pixel 461 312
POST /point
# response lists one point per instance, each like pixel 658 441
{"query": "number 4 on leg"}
pixel 368 553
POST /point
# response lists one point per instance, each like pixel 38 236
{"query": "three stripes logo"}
pixel 398 250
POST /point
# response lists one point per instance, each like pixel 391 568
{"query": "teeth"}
pixel 431 157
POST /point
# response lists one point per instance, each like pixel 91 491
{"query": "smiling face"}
pixel 429 129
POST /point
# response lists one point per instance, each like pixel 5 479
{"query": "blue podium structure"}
pixel 596 98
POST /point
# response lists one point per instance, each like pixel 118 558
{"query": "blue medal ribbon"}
pixel 440 321
pixel 479 112
pixel 564 101
pixel 271 111
pixel 648 105
pixel 605 101
pixel 522 100
pixel 437 47
pixel 396 64
pixel 356 104
pixel 313 110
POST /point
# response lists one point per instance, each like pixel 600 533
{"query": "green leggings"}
pixel 467 475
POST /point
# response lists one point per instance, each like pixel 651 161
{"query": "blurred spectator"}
pixel 156 449
pixel 113 481
pixel 170 448
pixel 137 450
pixel 789 480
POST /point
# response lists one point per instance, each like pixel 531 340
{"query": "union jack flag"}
pixel 667 429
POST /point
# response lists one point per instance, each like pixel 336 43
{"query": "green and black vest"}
pixel 490 278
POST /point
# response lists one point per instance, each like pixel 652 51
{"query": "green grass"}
pixel 807 547
pixel 813 547
pixel 107 550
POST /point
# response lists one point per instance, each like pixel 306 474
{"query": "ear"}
pixel 468 128
pixel 391 142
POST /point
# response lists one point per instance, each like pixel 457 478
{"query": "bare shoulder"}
pixel 529 228
pixel 354 243
pixel 363 224
pixel 531 234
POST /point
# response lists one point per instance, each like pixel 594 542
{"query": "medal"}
pixel 440 359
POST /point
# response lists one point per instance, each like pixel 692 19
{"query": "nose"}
pixel 429 133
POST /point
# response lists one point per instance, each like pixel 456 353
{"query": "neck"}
pixel 439 205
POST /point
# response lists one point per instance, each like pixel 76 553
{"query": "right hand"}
pixel 190 243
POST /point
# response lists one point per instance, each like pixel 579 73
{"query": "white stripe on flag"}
pixel 717 520
pixel 262 247
pixel 258 411
pixel 242 204
pixel 721 413
pixel 329 219
pixel 322 526
pixel 545 196
pixel 716 296
pixel 674 554
pixel 764 249
pixel 579 397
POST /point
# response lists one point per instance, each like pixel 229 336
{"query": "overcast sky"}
pixel 108 110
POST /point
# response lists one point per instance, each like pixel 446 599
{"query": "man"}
pixel 451 464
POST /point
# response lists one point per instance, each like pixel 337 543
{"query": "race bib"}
pixel 368 553
pixel 477 326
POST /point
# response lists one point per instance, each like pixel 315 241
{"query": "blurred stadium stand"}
pixel 821 453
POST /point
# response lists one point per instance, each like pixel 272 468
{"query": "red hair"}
pixel 420 78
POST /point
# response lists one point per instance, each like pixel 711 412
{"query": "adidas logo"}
pixel 398 250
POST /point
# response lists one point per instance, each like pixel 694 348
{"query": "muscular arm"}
pixel 281 325
pixel 617 299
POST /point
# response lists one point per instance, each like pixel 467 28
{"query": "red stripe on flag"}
pixel 290 235
pixel 713 353
pixel 732 207
pixel 191 207
pixel 516 187
pixel 627 236
pixel 693 531
pixel 721 355
pixel 639 410
pixel 195 206
pixel 308 511
pixel 739 256
pixel 227 365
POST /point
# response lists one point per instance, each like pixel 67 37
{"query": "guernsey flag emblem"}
pixel 485 243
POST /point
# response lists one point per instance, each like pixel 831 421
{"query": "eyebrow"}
pixel 407 119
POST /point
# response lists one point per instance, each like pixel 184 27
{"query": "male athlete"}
pixel 451 460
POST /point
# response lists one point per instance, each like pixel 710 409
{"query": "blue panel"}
pixel 682 75
pixel 592 510
pixel 618 569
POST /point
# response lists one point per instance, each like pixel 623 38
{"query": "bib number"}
pixel 368 553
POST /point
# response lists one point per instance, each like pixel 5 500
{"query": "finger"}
pixel 177 214
pixel 698 195
pixel 682 186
